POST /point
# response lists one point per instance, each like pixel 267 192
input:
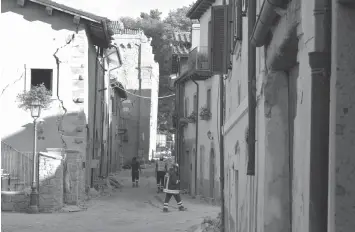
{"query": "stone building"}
pixel 197 117
pixel 67 50
pixel 287 119
pixel 139 75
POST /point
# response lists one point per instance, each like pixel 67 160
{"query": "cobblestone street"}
pixel 133 210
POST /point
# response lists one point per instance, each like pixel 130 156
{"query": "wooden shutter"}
pixel 230 32
pixel 208 104
pixel 239 21
pixel 219 18
pixel 174 65
pixel 195 103
pixel 210 44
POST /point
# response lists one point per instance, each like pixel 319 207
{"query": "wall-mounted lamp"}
pixel 209 135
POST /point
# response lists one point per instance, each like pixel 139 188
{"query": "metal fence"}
pixel 16 168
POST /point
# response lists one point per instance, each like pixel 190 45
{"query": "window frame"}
pixel 42 64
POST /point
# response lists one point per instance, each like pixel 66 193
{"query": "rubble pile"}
pixel 105 185
pixel 211 225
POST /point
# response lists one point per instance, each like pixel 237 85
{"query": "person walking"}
pixel 136 168
pixel 160 169
pixel 172 188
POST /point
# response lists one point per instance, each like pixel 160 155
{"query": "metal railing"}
pixel 198 59
pixel 16 168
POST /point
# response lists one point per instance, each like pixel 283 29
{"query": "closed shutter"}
pixel 210 44
pixel 239 20
pixel 230 32
pixel 174 65
pixel 219 18
pixel 208 104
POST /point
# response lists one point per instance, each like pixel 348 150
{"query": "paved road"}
pixel 133 210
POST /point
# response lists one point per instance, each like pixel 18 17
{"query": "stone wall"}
pixel 50 182
pixel 74 179
pixel 14 201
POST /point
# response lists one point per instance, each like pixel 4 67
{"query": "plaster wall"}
pixel 342 125
pixel 266 204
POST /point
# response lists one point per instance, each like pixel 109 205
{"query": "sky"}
pixel 114 9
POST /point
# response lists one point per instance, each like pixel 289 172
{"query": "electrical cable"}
pixel 117 86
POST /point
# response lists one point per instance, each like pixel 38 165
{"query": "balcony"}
pixel 198 64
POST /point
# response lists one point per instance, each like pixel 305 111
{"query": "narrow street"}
pixel 132 209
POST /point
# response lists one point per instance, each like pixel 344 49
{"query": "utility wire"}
pixel 142 96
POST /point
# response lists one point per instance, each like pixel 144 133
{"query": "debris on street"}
pixel 211 225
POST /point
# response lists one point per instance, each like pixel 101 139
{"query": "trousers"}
pixel 177 198
pixel 160 179
pixel 135 176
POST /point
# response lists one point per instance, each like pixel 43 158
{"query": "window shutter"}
pixel 230 33
pixel 195 103
pixel 210 44
pixel 239 23
pixel 219 18
pixel 234 22
pixel 174 65
pixel 208 104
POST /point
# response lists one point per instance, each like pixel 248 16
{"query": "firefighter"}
pixel 172 185
pixel 161 169
pixel 136 169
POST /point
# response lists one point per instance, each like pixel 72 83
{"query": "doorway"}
pixel 212 172
pixel 202 154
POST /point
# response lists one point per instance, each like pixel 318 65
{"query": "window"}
pixel 208 104
pixel 42 76
pixel 220 44
pixel 195 103
pixel 186 112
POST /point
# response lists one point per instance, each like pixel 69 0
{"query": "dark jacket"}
pixel 173 184
pixel 135 166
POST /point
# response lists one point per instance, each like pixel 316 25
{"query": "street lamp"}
pixel 34 197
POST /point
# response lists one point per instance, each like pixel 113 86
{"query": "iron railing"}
pixel 16 168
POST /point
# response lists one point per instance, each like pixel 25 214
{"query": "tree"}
pixel 161 32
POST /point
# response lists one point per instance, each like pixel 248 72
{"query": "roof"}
pixel 181 43
pixel 70 10
pixel 199 8
pixel 97 25
pixel 183 37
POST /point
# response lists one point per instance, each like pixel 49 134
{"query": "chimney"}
pixel 195 36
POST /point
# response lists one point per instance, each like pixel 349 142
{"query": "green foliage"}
pixel 37 93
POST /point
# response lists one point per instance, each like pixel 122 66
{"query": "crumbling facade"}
pixel 63 48
pixel 139 75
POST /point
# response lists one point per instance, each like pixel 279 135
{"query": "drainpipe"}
pixel 139 99
pixel 251 89
pixel 221 145
pixel 94 119
pixel 221 149
pixel 320 63
pixel 266 17
pixel 109 132
pixel 196 140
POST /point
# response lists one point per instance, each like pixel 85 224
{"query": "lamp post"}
pixel 34 197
